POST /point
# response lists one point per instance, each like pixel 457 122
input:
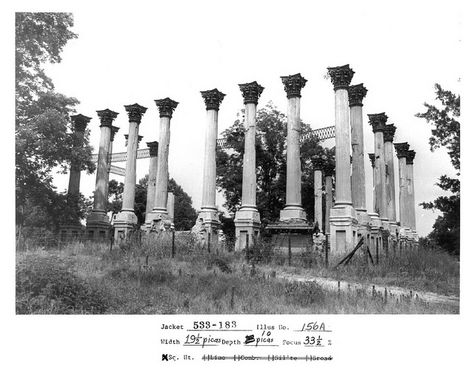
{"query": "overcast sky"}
pixel 139 53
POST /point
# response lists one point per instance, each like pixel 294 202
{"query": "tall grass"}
pixel 143 278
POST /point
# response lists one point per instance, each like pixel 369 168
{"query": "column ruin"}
pixel 293 210
pixel 153 166
pixel 159 219
pixel 343 217
pixel 98 223
pixel 247 218
pixel 126 220
pixel 411 194
pixel 378 123
pixel 207 222
pixel 388 135
pixel 356 94
pixel 402 154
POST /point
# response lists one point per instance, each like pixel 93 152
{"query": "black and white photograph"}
pixel 251 177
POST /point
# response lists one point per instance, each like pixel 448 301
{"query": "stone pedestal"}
pixel 126 220
pixel 247 218
pixel 98 223
pixel 207 223
pixel 375 233
pixel 344 227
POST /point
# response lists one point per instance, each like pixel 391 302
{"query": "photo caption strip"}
pixel 242 339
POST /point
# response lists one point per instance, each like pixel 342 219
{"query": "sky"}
pixel 136 54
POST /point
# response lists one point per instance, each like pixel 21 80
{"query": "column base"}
pixel 124 223
pixel 98 226
pixel 206 230
pixel 375 233
pixel 363 219
pixel 70 232
pixel 343 229
pixel 247 221
pixel 158 221
pixel 293 213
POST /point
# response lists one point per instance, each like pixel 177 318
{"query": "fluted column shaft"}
pixel 130 168
pixel 161 192
pixel 411 190
pixel 378 122
pixel 152 170
pixel 318 198
pixel 293 161
pixel 100 193
pixel 390 181
pixel 79 126
pixel 343 164
pixel 380 173
pixel 358 172
pixel 328 187
pixel 249 178
pixel 356 95
pixel 403 185
pixel 209 174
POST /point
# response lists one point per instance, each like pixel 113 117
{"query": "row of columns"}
pixel 346 217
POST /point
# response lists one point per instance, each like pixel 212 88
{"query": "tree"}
pixel 184 213
pixel 43 137
pixel 446 133
pixel 271 164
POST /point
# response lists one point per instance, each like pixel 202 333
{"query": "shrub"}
pixel 45 285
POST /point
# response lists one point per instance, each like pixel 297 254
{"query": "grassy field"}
pixel 91 278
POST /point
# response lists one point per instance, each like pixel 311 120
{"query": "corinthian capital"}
pixel 166 107
pixel 251 92
pixel 106 117
pixel 410 157
pixel 293 85
pixel 341 76
pixel 378 121
pixel 80 122
pixel 389 133
pixel 402 149
pixel 135 113
pixel 212 98
pixel 357 94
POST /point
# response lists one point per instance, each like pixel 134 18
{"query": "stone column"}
pixel 318 199
pixel 293 210
pixel 150 193
pixel 378 122
pixel 126 220
pixel 158 219
pixel 411 193
pixel 207 221
pixel 170 206
pixel 375 223
pixel 98 224
pixel 113 131
pixel 388 134
pixel 79 127
pixel 70 222
pixel 343 217
pixel 247 218
pixel 328 187
pixel 356 95
pixel 402 153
